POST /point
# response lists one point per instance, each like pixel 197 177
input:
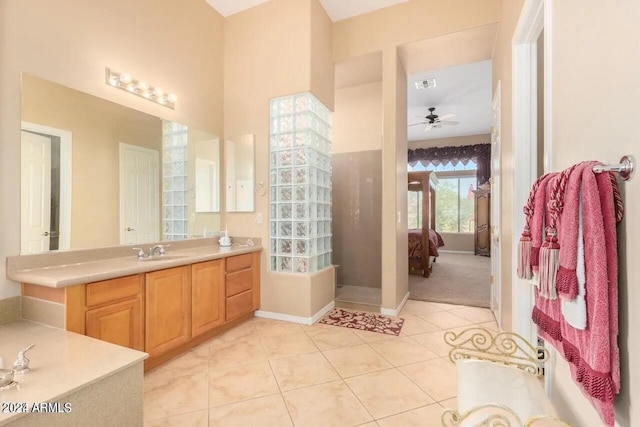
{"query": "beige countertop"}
pixel 61 363
pixel 70 273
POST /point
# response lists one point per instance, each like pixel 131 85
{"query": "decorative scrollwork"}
pixel 504 347
pixel 545 421
pixel 490 415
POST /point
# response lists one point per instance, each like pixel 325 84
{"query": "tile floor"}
pixel 271 373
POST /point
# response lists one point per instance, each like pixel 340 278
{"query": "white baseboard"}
pixel 392 312
pixel 455 252
pixel 296 319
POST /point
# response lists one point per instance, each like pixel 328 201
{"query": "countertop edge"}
pixel 38 276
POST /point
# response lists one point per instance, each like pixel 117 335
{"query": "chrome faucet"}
pixel 159 249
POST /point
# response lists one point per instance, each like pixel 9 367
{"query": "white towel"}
pixel 575 311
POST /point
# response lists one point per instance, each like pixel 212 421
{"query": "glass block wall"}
pixel 174 181
pixel 300 184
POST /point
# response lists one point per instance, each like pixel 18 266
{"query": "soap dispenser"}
pixel 225 240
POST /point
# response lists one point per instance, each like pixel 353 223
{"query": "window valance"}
pixel 480 153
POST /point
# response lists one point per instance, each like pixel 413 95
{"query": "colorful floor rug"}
pixel 360 320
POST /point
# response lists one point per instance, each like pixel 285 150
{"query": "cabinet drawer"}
pixel 239 262
pixel 107 291
pixel 239 281
pixel 239 305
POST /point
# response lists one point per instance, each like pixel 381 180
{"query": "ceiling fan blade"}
pixel 447 116
pixel 421 123
pixel 429 127
pixel 449 122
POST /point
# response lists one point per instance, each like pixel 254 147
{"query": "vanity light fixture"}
pixel 141 88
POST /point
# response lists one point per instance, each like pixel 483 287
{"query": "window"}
pixel 455 204
pixel 414 210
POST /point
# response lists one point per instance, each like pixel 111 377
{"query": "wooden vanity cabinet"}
pixel 114 311
pixel 168 309
pixel 207 296
pixel 242 284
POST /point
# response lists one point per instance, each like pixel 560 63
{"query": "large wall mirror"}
pixel 95 173
pixel 239 165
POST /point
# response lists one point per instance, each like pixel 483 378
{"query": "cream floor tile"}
pixel 402 351
pixel 447 307
pixel 415 325
pixel 334 337
pixel 490 325
pixel 272 328
pixel 223 355
pixel 356 360
pixel 437 377
pixel 244 331
pixel 387 393
pixel 449 403
pixel 368 336
pixel 326 405
pixel 474 314
pixel 303 371
pixel 191 362
pixel 421 417
pixel 419 307
pixel 168 396
pixel 371 424
pixel 269 411
pixel 192 419
pixel 288 345
pixel 446 320
pixel 241 383
pixel 434 341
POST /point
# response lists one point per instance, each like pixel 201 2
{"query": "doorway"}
pixel 139 203
pixel 45 188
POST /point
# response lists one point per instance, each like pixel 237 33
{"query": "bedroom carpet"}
pixel 455 279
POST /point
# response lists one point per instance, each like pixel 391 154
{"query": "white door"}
pixel 139 201
pixel 36 193
pixel 496 198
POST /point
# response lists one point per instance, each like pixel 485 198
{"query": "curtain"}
pixel 480 153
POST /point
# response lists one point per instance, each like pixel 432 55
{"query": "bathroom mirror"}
pixel 96 173
pixel 239 166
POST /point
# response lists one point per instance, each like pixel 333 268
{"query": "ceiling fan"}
pixel 434 121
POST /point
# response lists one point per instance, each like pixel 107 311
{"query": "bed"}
pixel 420 261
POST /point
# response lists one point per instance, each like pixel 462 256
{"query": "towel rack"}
pixel 625 168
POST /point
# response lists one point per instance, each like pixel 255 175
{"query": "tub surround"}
pixel 67 268
pixel 67 367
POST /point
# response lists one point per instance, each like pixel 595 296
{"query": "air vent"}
pixel 425 84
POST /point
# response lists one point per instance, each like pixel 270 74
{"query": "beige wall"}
pixel 287 56
pixel 580 57
pixel 98 127
pixel 451 142
pixel 72 42
pixel 357 120
pixel 458 242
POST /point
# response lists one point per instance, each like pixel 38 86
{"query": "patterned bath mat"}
pixel 363 321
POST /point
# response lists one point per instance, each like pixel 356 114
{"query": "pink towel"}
pixel 538 219
pixel 566 279
pixel 593 353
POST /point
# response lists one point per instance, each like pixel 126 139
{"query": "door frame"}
pixel 156 155
pixel 496 217
pixel 66 139
pixel 536 15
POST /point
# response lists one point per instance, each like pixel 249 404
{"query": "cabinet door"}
pixel 119 323
pixel 207 296
pixel 168 309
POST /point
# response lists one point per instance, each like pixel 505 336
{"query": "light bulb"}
pixel 113 81
pixel 131 87
pixel 161 101
pixel 125 77
pixel 172 97
pixel 146 94
pixel 142 85
pixel 158 92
